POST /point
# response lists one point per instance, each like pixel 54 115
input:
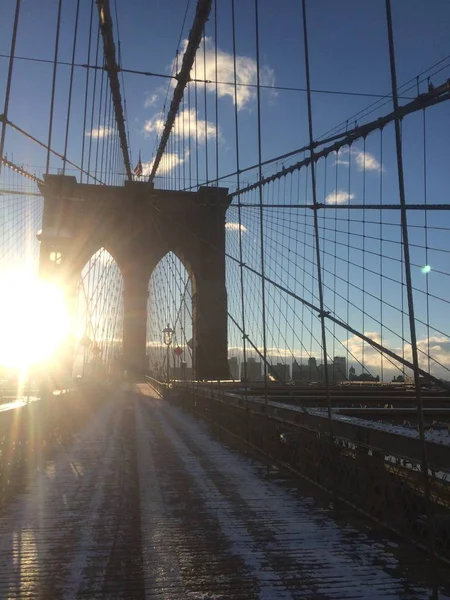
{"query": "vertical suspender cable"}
pixel 217 95
pixel 189 136
pixel 183 186
pixel 72 67
pixel 106 137
pixel 9 78
pixel 363 300
pixel 108 169
pixel 206 108
pixel 100 132
pixel 93 106
pixel 404 227
pixel 52 101
pixel 316 222
pixel 425 197
pixel 86 93
pixel 241 264
pixel 381 253
pixel 197 171
pixel 261 212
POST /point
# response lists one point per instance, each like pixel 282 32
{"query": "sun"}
pixel 34 320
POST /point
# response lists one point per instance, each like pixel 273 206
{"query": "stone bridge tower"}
pixel 138 225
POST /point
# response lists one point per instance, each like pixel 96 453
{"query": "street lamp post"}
pixel 168 337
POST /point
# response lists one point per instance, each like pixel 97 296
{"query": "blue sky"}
pixel 348 53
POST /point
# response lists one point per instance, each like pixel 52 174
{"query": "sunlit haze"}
pixel 34 320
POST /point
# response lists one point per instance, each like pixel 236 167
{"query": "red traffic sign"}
pixel 178 351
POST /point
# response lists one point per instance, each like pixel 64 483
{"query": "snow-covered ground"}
pixel 438 436
pixel 47 533
pixel 282 547
pixel 17 402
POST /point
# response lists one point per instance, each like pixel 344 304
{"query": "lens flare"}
pixel 426 269
pixel 34 320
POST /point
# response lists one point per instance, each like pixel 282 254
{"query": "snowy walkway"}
pixel 147 505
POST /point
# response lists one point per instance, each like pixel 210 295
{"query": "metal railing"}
pixel 375 469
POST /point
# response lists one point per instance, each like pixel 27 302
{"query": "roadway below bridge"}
pixel 147 504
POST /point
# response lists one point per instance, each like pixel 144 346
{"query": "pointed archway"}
pixel 98 311
pixel 169 308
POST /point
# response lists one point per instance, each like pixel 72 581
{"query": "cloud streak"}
pixel 100 132
pixel 246 71
pixel 339 197
pixel 439 352
pixel 170 161
pixel 151 100
pixel 187 124
pixel 363 160
pixel 231 226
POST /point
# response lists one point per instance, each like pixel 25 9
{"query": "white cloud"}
pixel 170 161
pixel 362 159
pixel 154 125
pixel 205 68
pixel 185 125
pixel 342 157
pixel 151 100
pixel 355 346
pixel 235 227
pixel 100 132
pixel 439 351
pixel 339 197
pixel 365 160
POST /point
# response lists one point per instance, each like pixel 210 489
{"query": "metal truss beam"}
pixel 414 206
pixel 5 192
pixel 112 68
pixel 19 170
pixel 183 77
pixel 436 96
pixel 6 121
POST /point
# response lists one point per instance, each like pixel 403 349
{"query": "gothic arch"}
pixel 138 225
pixel 169 303
pixel 99 315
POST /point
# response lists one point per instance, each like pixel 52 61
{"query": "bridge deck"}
pixel 147 504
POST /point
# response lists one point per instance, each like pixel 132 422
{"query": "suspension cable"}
pixel 52 99
pixel 201 16
pixel 404 228
pixel 9 79
pixel 315 214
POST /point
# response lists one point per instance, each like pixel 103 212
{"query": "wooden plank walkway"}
pixel 148 504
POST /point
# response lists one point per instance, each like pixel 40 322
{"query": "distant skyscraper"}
pixel 282 371
pixel 296 371
pixel 339 369
pixel 306 373
pixel 253 370
pixel 234 367
pixel 313 371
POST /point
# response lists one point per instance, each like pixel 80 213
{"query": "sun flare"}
pixel 34 320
